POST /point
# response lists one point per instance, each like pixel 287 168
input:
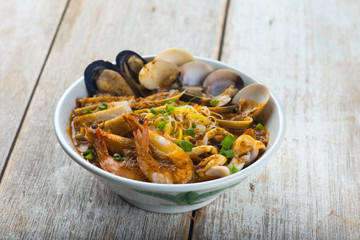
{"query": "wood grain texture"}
pixel 44 194
pixel 26 32
pixel 307 52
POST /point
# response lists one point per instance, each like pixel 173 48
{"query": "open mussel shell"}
pixel 220 80
pixel 130 64
pixel 158 74
pixel 104 77
pixel 252 99
pixel 175 55
pixel 194 73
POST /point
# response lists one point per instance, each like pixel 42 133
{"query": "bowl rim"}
pixel 216 183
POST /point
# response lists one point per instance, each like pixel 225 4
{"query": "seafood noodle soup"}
pixel 172 120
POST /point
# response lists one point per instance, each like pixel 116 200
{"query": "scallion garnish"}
pixel 87 111
pixel 117 157
pixel 103 107
pixel 170 108
pixel 233 169
pixel 153 111
pixel 171 100
pixel 192 99
pixel 190 131
pixel 88 155
pixel 227 153
pixel 259 126
pixel 185 145
pixel 161 125
pixel 214 102
pixel 227 142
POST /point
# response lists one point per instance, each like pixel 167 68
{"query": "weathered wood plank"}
pixel 44 194
pixel 308 53
pixel 26 32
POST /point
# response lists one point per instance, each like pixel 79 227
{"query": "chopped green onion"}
pixel 190 131
pixel 161 125
pixel 86 152
pixel 117 157
pixel 259 126
pixel 153 111
pixel 192 99
pixel 87 111
pixel 227 141
pixel 103 107
pixel 233 170
pixel 171 100
pixel 214 102
pixel 88 155
pixel 227 153
pixel 170 108
pixel 185 145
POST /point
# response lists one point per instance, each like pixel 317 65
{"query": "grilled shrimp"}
pixel 246 149
pixel 161 160
pixel 126 168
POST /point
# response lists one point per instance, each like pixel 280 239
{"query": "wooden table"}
pixel 307 52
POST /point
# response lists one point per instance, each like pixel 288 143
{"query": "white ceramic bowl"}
pixel 170 198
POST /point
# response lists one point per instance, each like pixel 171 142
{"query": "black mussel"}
pixel 194 73
pixel 220 80
pixel 104 77
pixel 130 64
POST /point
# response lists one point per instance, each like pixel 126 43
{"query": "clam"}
pixel 220 80
pixel 158 74
pixel 252 99
pixel 175 55
pixel 130 64
pixel 194 73
pixel 104 77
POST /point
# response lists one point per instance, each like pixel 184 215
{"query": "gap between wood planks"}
pixel 41 72
pixel 193 214
pixel 32 93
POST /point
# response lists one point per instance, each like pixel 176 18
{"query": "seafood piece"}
pixel 194 73
pixel 251 99
pixel 94 108
pixel 104 77
pixel 116 126
pixel 114 143
pixel 98 100
pixel 218 172
pixel 100 116
pixel 130 64
pixel 235 124
pixel 225 97
pixel 156 100
pixel 158 74
pixel 198 153
pixel 161 160
pixel 246 150
pixel 125 168
pixel 175 55
pixel 220 80
pixel 216 134
pixel 207 164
